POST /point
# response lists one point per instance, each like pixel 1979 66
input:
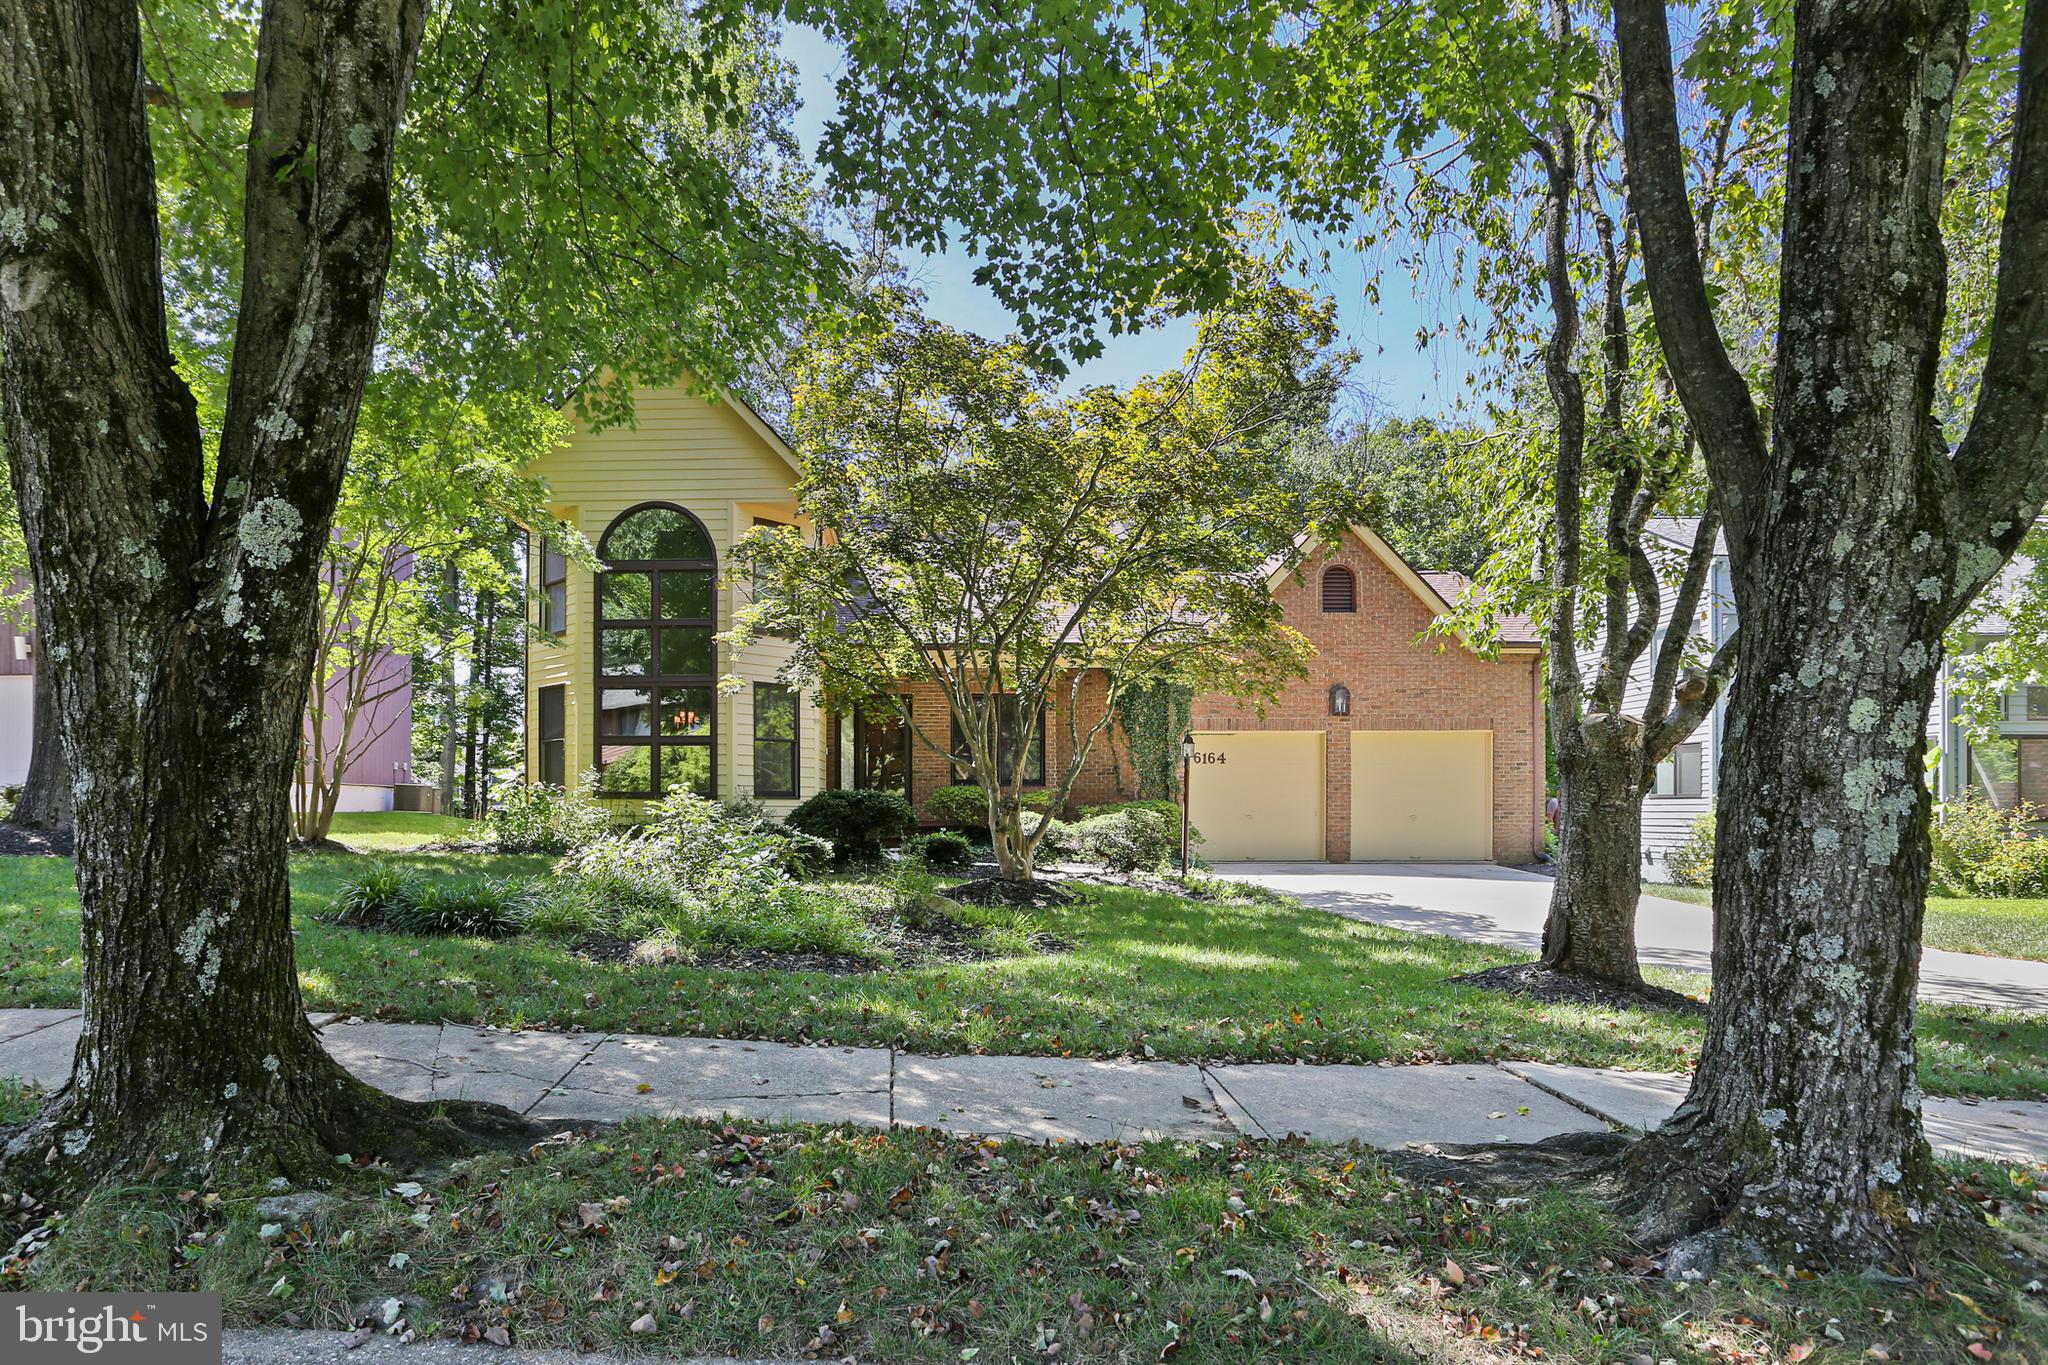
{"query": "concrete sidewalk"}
pixel 1487 903
pixel 572 1076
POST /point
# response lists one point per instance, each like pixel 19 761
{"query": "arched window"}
pixel 1340 589
pixel 656 661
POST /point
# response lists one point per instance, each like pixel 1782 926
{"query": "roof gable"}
pixel 1430 589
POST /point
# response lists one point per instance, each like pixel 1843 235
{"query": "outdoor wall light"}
pixel 1340 700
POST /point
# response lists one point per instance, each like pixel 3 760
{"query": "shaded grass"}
pixel 1241 978
pixel 762 1240
pixel 1997 927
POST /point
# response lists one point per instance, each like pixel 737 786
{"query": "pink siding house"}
pixel 382 744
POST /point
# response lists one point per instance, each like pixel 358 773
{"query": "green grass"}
pixel 1250 979
pixel 1961 924
pixel 761 1240
pixel 394 831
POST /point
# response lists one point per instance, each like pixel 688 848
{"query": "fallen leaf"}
pixel 642 1324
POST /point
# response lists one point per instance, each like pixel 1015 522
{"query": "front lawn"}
pixel 1961 924
pixel 686 1238
pixel 397 830
pixel 1148 974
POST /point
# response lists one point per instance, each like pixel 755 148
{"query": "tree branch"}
pixel 1716 397
pixel 2001 468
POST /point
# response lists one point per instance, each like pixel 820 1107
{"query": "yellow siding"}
pixel 705 457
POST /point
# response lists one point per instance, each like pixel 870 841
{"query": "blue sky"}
pixel 1393 375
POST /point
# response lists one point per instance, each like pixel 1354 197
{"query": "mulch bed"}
pixel 941 940
pixel 633 953
pixel 1535 981
pixel 1029 895
pixel 19 841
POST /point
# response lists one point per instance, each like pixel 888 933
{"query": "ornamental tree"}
pixel 545 194
pixel 433 484
pixel 980 532
pixel 1095 152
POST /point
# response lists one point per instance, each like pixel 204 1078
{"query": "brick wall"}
pixel 1400 682
pixel 1397 680
pixel 1105 774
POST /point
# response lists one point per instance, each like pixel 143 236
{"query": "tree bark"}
pixel 1591 930
pixel 46 793
pixel 1854 542
pixel 175 626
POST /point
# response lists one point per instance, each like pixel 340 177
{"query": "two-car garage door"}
pixel 1415 794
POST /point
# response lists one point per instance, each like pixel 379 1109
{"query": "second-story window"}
pixel 554 588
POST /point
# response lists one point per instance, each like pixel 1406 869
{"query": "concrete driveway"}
pixel 1486 903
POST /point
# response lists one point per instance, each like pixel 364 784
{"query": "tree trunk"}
pixel 451 731
pixel 1591 931
pixel 175 626
pixel 1851 547
pixel 46 794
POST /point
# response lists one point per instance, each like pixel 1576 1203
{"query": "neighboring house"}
pixel 2013 768
pixel 383 744
pixel 1683 788
pixel 1395 746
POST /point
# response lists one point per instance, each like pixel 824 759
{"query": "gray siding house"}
pixel 2011 769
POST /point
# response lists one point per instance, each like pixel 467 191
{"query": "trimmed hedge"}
pixel 855 822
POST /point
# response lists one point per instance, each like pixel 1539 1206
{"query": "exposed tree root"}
pixel 1551 984
pixel 302 1135
pixel 1698 1212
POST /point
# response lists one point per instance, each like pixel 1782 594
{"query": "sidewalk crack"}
pixel 1214 1083
pixel 556 1083
pixel 1573 1100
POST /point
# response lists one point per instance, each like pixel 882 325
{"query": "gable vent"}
pixel 1340 589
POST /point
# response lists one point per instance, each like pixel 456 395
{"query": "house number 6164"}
pixel 1201 757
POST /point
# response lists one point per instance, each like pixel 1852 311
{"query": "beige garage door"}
pixel 1259 794
pixel 1422 795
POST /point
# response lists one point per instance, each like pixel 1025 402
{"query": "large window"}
pixel 655 656
pixel 1006 755
pixel 774 740
pixel 553 570
pixel 881 748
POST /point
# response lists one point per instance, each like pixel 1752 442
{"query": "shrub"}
pixel 960 806
pixel 1982 850
pixel 479 907
pixel 942 850
pixel 1127 840
pixel 855 822
pixel 914 892
pixel 543 819
pixel 1692 862
pixel 964 805
pixel 706 877
pixel 802 856
pixel 367 900
pixel 709 840
pixel 1168 811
